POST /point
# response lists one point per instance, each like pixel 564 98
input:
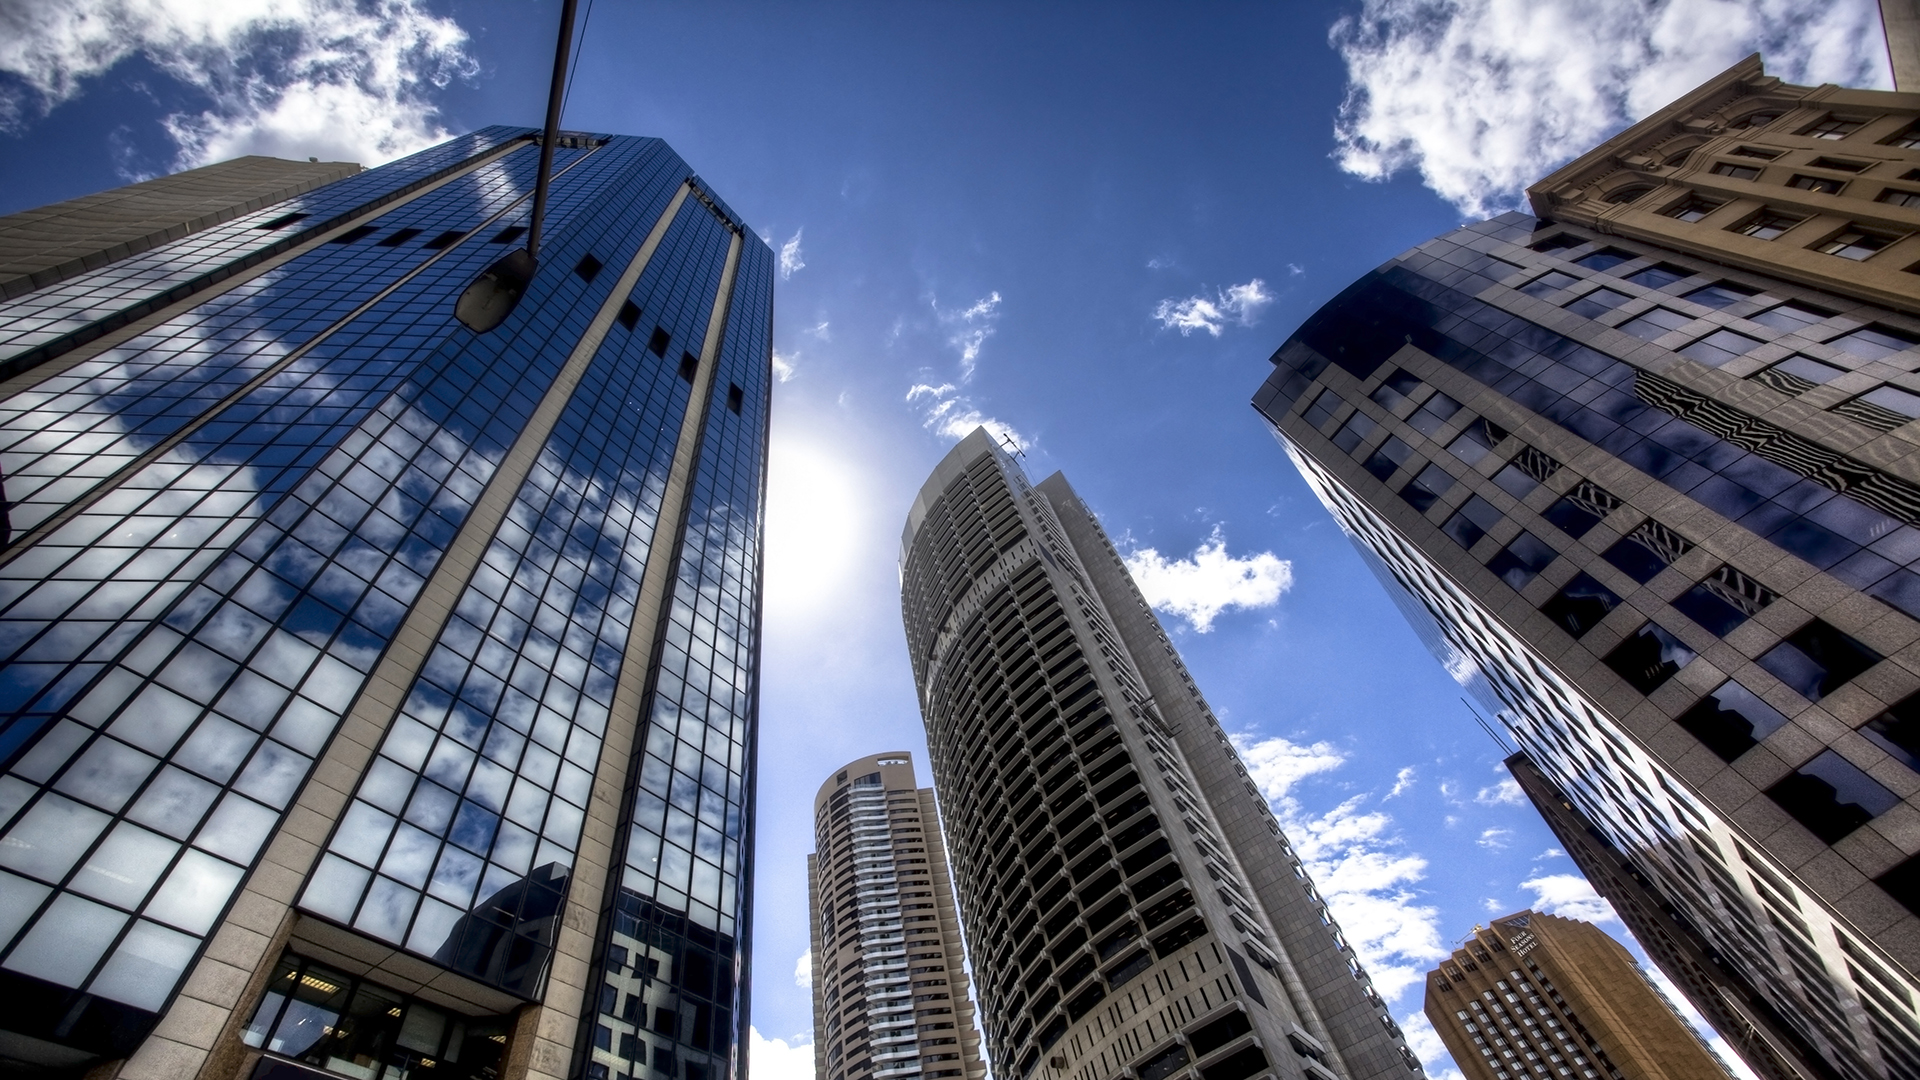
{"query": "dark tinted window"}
pixel 1395 389
pixel 1354 431
pixel 1434 414
pixel 1550 282
pixel 1722 294
pixel 1477 440
pixel 1581 605
pixel 1385 461
pixel 1731 720
pixel 1649 657
pixel 1522 559
pixel 1604 259
pixel 1475 518
pixel 1659 275
pixel 1724 600
pixel 1831 796
pixel 1897 731
pixel 1425 489
pixel 1646 551
pixel 1817 659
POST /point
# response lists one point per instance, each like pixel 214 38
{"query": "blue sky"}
pixel 1087 225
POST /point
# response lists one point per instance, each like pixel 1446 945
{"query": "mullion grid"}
pixel 683 851
pixel 45 314
pixel 215 348
pixel 615 443
pixel 299 569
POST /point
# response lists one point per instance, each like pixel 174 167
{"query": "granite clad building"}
pixel 889 968
pixel 378 696
pixel 1765 1041
pixel 1641 470
pixel 1128 899
pixel 1536 995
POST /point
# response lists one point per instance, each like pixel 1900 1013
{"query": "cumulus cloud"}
pixel 1483 97
pixel 783 364
pixel 1356 861
pixel 1495 839
pixel 332 79
pixel 1240 304
pixel 1425 1043
pixel 803 971
pixel 1505 793
pixel 777 1059
pixel 969 328
pixel 1569 895
pixel 1202 585
pixel 791 260
pixel 950 414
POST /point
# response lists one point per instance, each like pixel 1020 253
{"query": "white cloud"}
pixel 1494 905
pixel 1236 303
pixel 821 330
pixel 1356 862
pixel 1202 585
pixel 1505 793
pixel 1483 97
pixel 969 328
pixel 1569 896
pixel 791 261
pixel 952 415
pixel 1277 764
pixel 1402 783
pixel 776 1059
pixel 332 79
pixel 803 971
pixel 783 364
pixel 1495 839
pixel 1426 1045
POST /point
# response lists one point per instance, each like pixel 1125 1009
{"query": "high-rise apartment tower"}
pixel 1129 901
pixel 889 969
pixel 1538 995
pixel 378 696
pixel 1643 470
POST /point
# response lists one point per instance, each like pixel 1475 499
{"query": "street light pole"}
pixel 497 291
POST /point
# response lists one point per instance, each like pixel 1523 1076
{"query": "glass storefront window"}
pixel 333 1021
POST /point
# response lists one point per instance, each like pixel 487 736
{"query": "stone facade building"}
pixel 1129 901
pixel 1643 471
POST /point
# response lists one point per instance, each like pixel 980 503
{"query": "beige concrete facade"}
pixel 1754 1029
pixel 51 243
pixel 890 990
pixel 1826 162
pixel 1536 995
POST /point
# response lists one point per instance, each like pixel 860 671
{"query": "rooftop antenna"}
pixel 497 291
pixel 1013 448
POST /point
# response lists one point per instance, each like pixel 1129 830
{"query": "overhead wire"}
pixel 579 47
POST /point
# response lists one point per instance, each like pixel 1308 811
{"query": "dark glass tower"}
pixel 1128 899
pixel 377 695
pixel 1644 477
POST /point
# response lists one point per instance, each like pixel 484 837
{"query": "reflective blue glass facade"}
pixel 320 611
pixel 1680 573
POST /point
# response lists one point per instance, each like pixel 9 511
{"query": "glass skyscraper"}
pixel 379 696
pixel 1641 470
pixel 1130 905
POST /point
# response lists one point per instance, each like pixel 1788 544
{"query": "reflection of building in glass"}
pixel 889 968
pixel 1536 995
pixel 1129 901
pixel 333 631
pixel 1640 470
pixel 1767 1043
